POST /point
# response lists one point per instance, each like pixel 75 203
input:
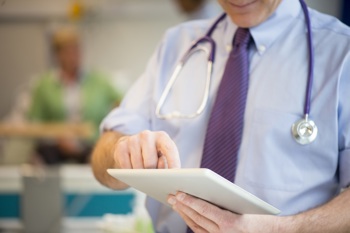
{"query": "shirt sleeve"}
pixel 344 124
pixel 134 113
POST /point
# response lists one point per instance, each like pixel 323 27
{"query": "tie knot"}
pixel 242 37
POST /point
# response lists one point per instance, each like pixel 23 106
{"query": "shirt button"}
pixel 261 48
pixel 228 48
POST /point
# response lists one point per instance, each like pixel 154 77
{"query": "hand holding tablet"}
pixel 198 182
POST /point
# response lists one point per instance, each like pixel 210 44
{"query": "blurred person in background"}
pixel 198 9
pixel 70 95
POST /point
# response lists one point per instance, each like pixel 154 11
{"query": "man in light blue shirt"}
pixel 304 182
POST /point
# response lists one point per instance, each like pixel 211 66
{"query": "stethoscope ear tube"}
pixel 176 114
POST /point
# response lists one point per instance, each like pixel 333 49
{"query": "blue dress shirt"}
pixel 292 177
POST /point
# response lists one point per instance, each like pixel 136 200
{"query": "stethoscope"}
pixel 304 131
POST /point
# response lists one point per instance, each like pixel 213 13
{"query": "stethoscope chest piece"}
pixel 304 131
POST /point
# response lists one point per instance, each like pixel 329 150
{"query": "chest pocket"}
pixel 272 157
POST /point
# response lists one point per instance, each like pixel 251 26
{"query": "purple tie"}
pixel 225 127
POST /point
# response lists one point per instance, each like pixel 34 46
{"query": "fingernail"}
pixel 180 196
pixel 171 201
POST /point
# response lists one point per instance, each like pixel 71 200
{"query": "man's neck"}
pixel 69 76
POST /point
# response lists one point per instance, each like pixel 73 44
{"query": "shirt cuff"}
pixel 124 121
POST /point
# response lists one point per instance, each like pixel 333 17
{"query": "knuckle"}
pixel 121 141
pixel 204 210
pixel 132 140
pixel 120 152
pixel 168 146
pixel 145 135
pixel 163 135
pixel 119 147
pixel 166 141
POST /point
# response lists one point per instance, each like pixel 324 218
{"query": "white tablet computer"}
pixel 198 182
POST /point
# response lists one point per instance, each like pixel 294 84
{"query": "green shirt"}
pixel 98 97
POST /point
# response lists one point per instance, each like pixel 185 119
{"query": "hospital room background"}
pixel 116 37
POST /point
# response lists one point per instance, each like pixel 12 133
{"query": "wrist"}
pixel 288 224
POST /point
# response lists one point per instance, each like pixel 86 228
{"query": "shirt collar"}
pixel 267 32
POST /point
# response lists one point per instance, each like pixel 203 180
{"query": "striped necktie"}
pixel 225 127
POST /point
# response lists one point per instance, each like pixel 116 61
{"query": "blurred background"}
pixel 63 65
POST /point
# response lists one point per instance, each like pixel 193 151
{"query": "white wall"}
pixel 122 48
pixel 330 7
pixel 22 54
pixel 119 37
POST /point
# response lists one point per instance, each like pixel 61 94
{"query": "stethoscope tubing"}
pixel 307 106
